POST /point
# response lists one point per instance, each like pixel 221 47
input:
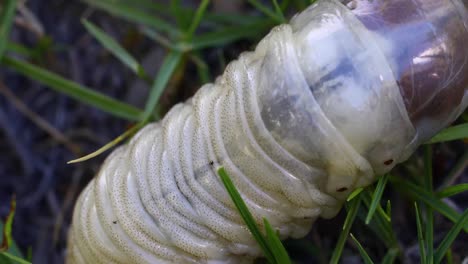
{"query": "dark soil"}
pixel 33 164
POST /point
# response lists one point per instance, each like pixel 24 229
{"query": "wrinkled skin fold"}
pixel 324 104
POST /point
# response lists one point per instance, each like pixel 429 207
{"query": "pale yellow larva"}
pixel 323 104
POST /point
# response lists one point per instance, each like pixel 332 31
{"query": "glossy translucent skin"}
pixel 313 113
pixel 427 51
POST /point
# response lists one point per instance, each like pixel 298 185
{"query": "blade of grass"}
pixel 245 213
pixel 377 197
pixel 202 69
pixel 135 15
pixel 352 212
pixel 197 19
pixel 160 39
pixel 267 11
pixel 429 227
pixel 362 251
pixel 19 49
pixel 300 4
pixel 449 256
pixel 451 133
pixel 464 116
pixel 182 19
pixel 422 195
pixel 8 247
pixel 15 258
pixel 14 250
pixel 456 171
pixel 7 239
pixel 354 194
pixel 278 250
pixel 114 47
pixel 227 35
pixel 388 209
pixel 390 257
pixel 452 190
pixel 109 145
pixel 74 90
pixel 6 227
pixel 6 20
pixel 421 240
pixel 165 72
pixel 278 11
pixel 381 222
pixel 194 56
pixel 450 237
pixel 215 18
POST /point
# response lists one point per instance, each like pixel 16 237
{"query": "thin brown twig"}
pixel 39 121
pixel 28 20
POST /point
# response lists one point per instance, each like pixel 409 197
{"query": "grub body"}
pixel 322 106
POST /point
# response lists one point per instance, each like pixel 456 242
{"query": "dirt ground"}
pixel 32 162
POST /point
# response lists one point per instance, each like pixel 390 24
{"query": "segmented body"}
pixel 299 123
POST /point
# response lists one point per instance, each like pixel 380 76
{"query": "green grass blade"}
pixel 267 11
pixel 202 68
pixel 168 67
pixel 422 195
pixel 186 13
pixel 354 194
pixel 450 237
pixel 451 133
pixel 377 197
pixel 449 256
pixel 175 8
pixel 245 213
pixel 279 12
pixel 429 227
pixel 352 212
pixel 9 252
pixel 109 145
pixel 227 35
pixel 456 171
pixel 388 209
pixel 381 222
pixel 136 16
pixel 197 18
pixel 13 249
pixel 452 190
pixel 160 39
pixel 390 257
pixel 464 116
pixel 19 49
pixel 300 4
pixel 74 90
pixel 13 253
pixel 7 239
pixel 6 20
pixel 114 47
pixel 273 241
pixel 362 251
pixel 421 240
pixel 15 258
